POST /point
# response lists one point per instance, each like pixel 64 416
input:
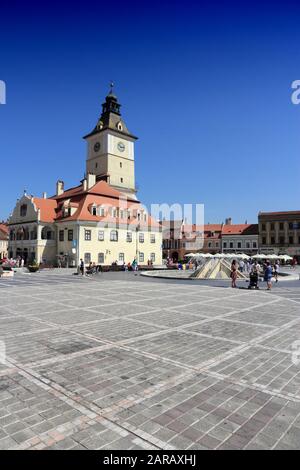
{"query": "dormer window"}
pixel 94 210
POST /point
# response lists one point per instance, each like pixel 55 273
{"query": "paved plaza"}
pixel 124 362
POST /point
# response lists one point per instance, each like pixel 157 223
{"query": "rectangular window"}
pixel 121 179
pixel 281 240
pixel 87 258
pixel 100 258
pixel 239 245
pixel 141 237
pixel 129 237
pixel 224 245
pixel 231 245
pixel 272 227
pixel 248 245
pixel 152 238
pixel 272 240
pixel 101 212
pixel 141 257
pixel 291 226
pixel 23 210
pixel 264 241
pixel 281 226
pixel 61 235
pixel 152 257
pixel 70 235
pixel 121 257
pixel 87 235
pixel 291 240
pixel 114 236
pixel 254 245
pixel 263 227
pixel 101 235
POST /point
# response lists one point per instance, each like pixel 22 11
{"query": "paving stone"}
pixel 183 366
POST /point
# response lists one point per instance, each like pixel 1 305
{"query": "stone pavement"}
pixel 115 363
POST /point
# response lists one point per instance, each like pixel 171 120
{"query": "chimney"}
pixel 59 187
pixel 44 195
pixel 228 221
pixel 91 180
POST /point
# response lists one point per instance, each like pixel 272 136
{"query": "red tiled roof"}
pixel 4 228
pixel 240 229
pixel 101 194
pixel 100 188
pixel 213 227
pixel 47 208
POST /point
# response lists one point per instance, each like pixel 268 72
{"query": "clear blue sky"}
pixel 205 87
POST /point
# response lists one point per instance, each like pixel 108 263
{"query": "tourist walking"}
pixel 81 266
pixel 241 265
pixel 233 273
pixel 276 270
pixel 268 275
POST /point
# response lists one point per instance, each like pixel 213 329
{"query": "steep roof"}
pixel 101 194
pixel 4 228
pixel 47 208
pixel 101 188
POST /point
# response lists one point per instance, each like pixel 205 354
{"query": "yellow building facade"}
pixel 100 220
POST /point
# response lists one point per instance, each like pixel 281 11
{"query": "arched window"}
pixel 33 234
pixel 20 234
pixel 114 235
pixel 12 235
pixel 47 233
pixel 25 233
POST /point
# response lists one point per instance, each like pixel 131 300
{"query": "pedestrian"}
pixel 268 275
pixel 276 270
pixel 241 265
pixel 81 266
pixel 233 273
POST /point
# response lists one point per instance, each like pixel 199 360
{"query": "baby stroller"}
pixel 253 284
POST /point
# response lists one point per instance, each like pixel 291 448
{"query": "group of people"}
pixel 93 268
pixel 19 262
pixel 267 271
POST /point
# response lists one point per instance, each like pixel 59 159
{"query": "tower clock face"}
pixel 121 147
pixel 97 147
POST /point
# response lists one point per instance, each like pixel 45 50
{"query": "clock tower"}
pixel 110 148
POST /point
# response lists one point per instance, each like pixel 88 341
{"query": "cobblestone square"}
pixel 121 362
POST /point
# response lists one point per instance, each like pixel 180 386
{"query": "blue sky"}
pixel 207 88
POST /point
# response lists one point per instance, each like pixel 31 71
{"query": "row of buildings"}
pixel 276 233
pixel 101 219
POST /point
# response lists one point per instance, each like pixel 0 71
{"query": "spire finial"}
pixel 111 84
